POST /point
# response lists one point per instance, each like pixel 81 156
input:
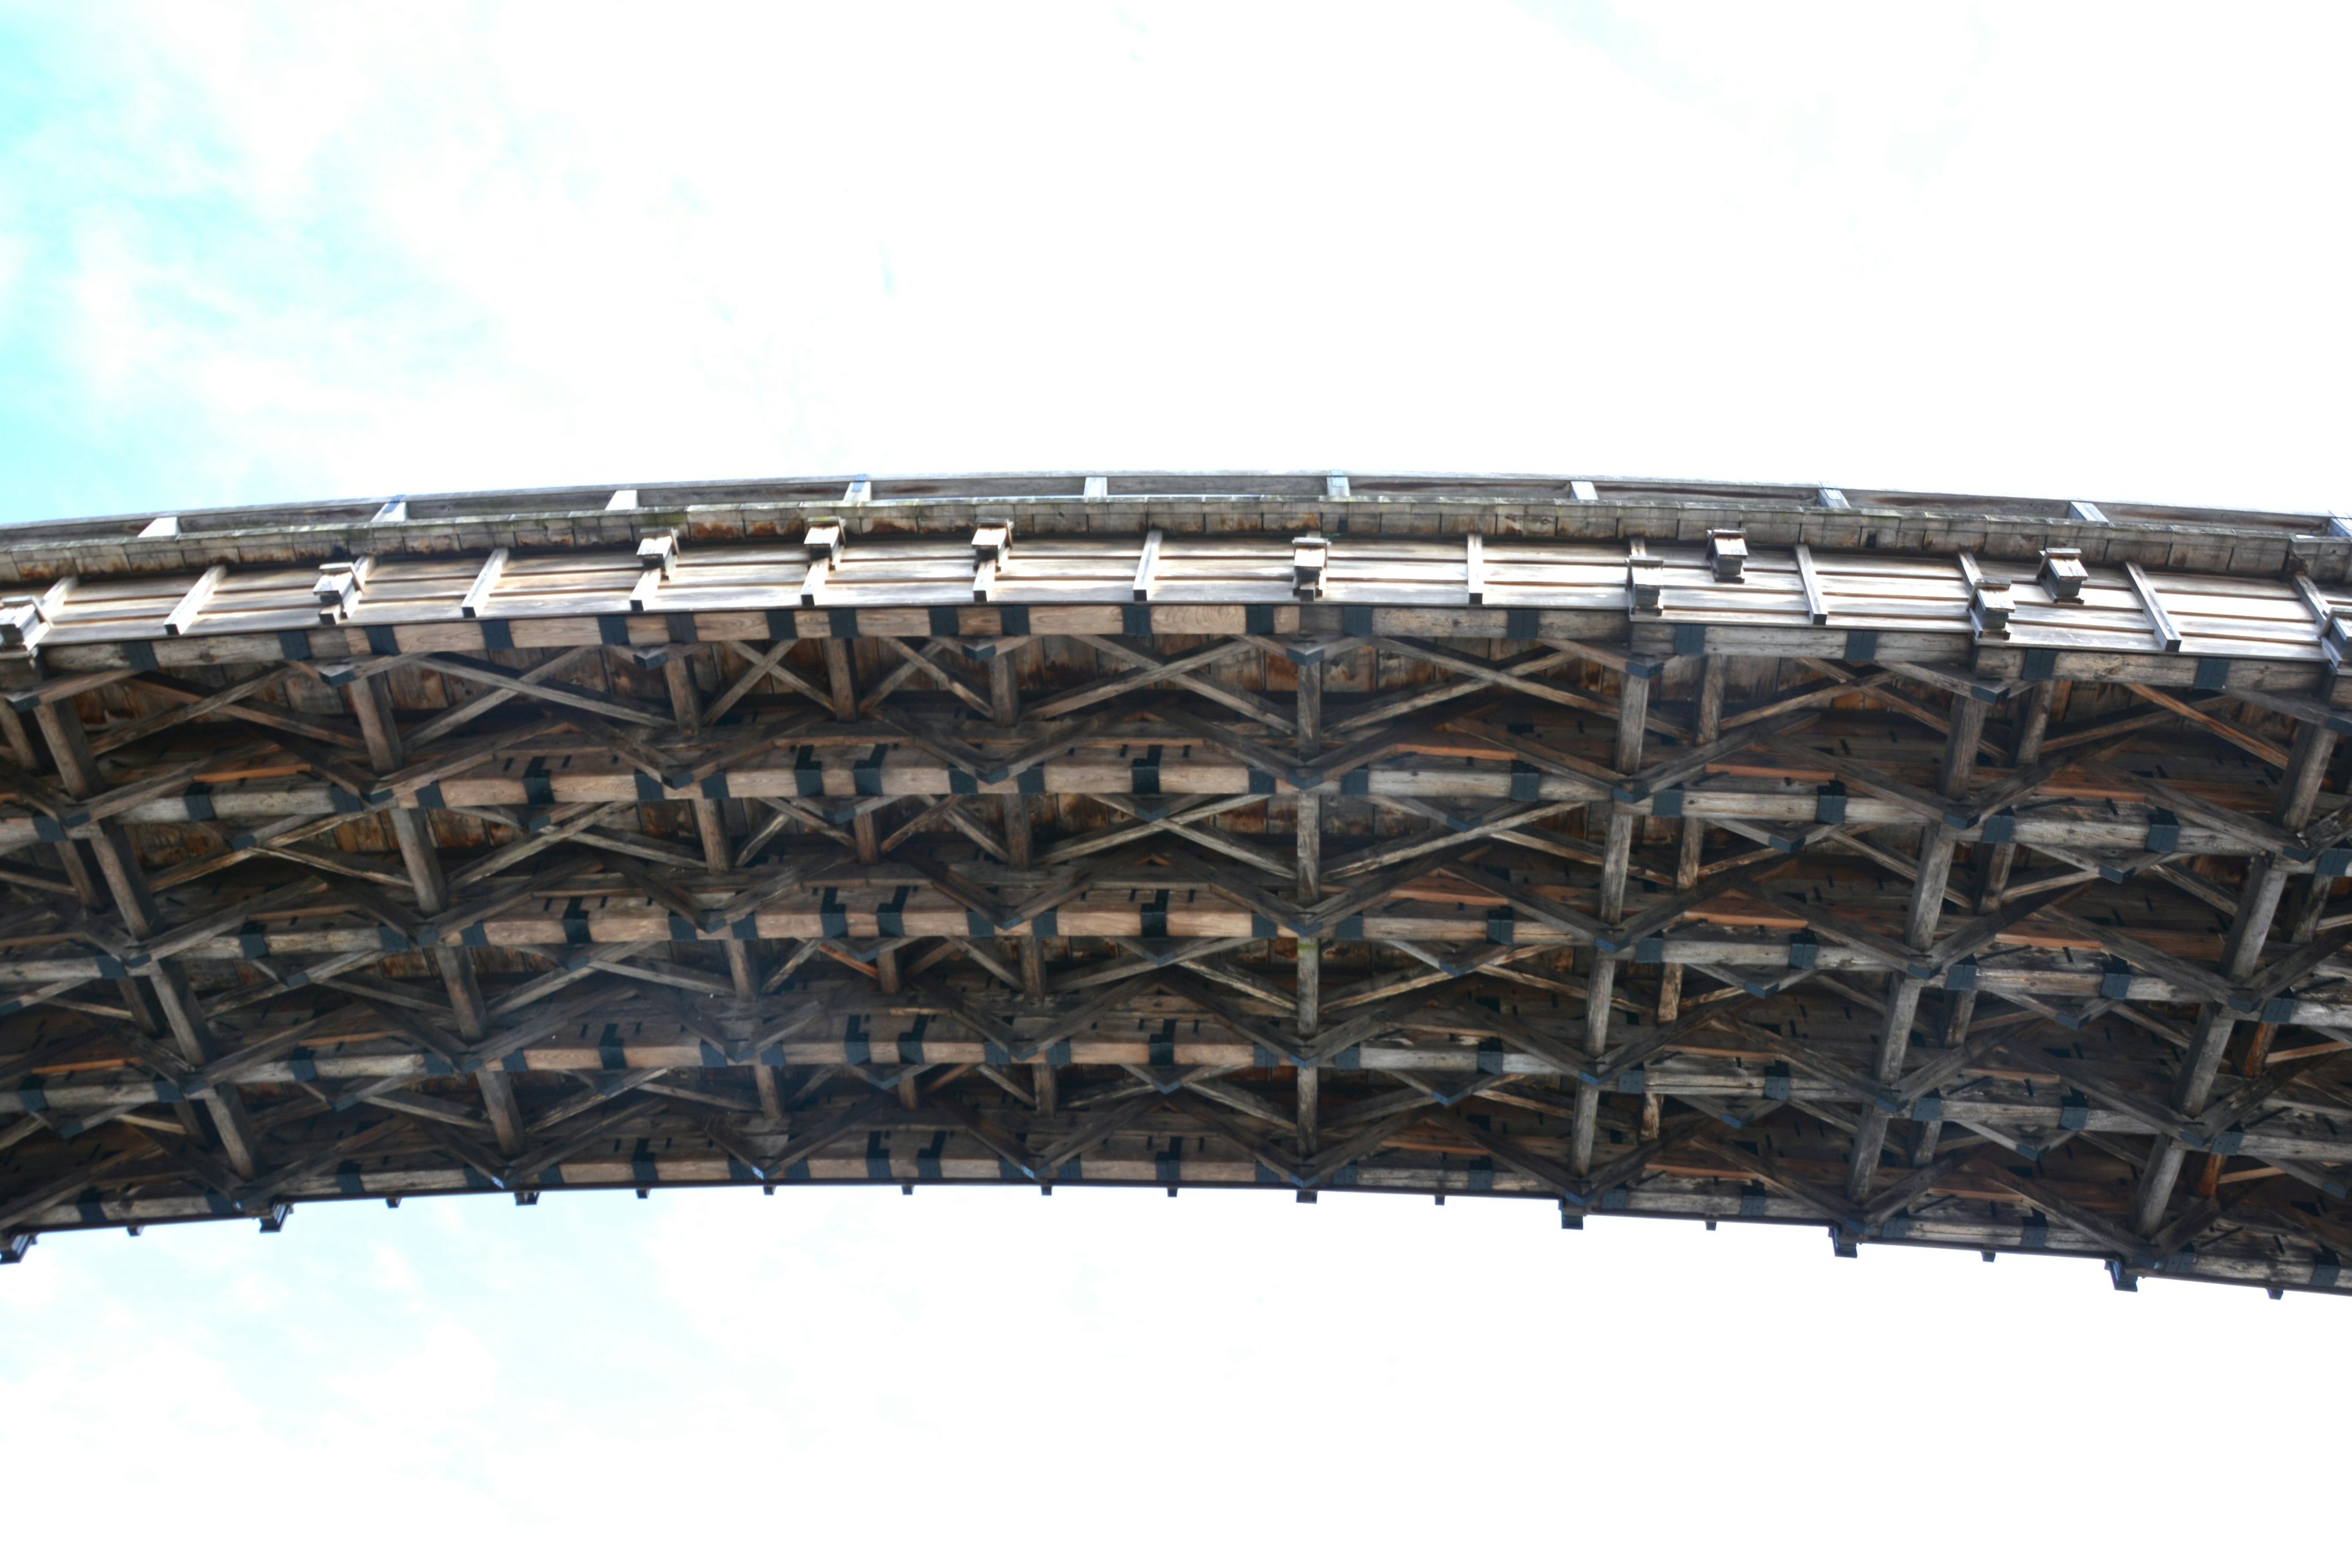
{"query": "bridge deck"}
pixel 1942 871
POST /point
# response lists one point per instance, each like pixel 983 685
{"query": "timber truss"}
pixel 1942 871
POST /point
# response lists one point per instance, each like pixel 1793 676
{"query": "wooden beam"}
pixel 192 603
pixel 1633 705
pixel 1147 565
pixel 486 583
pixel 2160 626
pixel 1817 609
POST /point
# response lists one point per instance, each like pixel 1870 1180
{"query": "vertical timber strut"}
pixel 2242 953
pixel 1309 889
pixel 1617 853
pixel 1936 844
pixel 126 879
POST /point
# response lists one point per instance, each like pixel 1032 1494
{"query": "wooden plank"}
pixel 1147 566
pixel 1817 608
pixel 485 583
pixel 2160 626
pixel 192 603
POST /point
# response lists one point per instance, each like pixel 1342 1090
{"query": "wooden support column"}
pixel 1309 976
pixel 1310 891
pixel 1617 854
pixel 1936 844
pixel 2026 750
pixel 1992 883
pixel 69 855
pixel 710 827
pixel 1003 692
pixel 2241 954
pixel 411 830
pixel 1005 709
pixel 841 674
pixel 841 677
pixel 1959 1015
pixel 117 864
pixel 1686 862
pixel 1311 708
pixel 684 702
pixel 19 742
pixel 2313 907
pixel 719 859
pixel 82 879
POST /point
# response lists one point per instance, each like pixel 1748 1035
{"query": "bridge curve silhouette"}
pixel 1941 870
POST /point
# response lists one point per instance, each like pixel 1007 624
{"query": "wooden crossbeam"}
pixel 485 583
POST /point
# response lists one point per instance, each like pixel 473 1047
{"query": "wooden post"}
pixel 1004 709
pixel 1633 716
pixel 1936 844
pixel 2242 953
pixel 370 701
pixel 1708 728
pixel 118 865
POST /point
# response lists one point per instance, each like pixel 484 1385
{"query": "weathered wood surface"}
pixel 1701 852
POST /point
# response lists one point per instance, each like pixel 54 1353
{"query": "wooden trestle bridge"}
pixel 1944 871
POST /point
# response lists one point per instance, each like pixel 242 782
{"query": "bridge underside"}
pixel 1944 871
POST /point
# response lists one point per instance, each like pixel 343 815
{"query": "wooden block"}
pixel 1990 601
pixel 1644 590
pixel 2335 634
pixel 1726 552
pixel 28 618
pixel 2063 572
pixel 1989 606
pixel 340 586
pixel 657 552
pixel 1310 554
pixel 20 621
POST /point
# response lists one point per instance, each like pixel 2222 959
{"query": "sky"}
pixel 268 253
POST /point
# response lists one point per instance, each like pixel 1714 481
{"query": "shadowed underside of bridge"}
pixel 1943 870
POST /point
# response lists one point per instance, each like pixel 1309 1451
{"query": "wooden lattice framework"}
pixel 1945 871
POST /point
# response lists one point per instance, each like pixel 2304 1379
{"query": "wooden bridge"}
pixel 1942 871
